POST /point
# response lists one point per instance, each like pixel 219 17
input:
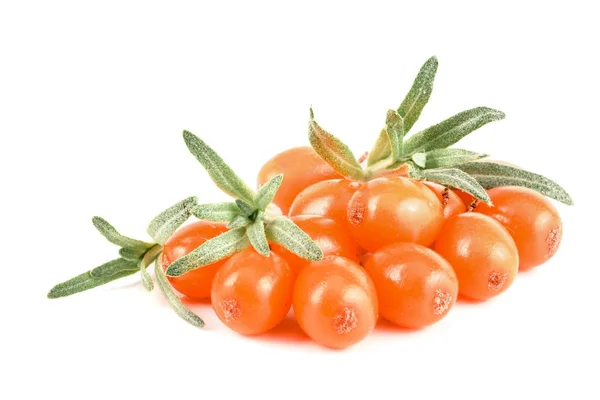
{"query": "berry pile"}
pixel 399 233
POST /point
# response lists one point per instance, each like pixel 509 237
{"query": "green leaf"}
pixel 245 208
pixel 394 126
pixel 114 267
pixel 419 94
pixel 491 175
pixel 167 222
pixel 451 130
pixel 258 239
pixel 283 231
pixel 420 159
pixel 213 250
pixel 239 221
pixel 266 193
pixel 441 158
pixel 381 150
pixel 148 259
pixel 219 171
pixel 334 151
pixel 113 236
pixel 173 299
pixel 217 212
pixel 454 178
pixel 131 255
pixel 86 281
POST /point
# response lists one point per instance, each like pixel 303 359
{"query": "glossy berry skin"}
pixel 301 167
pixel 415 286
pixel 196 283
pixel 481 252
pixel 330 236
pixel 335 302
pixel 394 209
pixel 530 218
pixel 451 202
pixel 465 197
pixel 326 198
pixel 252 293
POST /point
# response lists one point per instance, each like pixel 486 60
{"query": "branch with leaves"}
pixel 136 256
pixel 252 219
pixel 427 153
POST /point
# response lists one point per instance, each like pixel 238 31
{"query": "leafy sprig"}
pixel 427 153
pixel 136 256
pixel 251 217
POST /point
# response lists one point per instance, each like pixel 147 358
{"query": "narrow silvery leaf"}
pixel 84 282
pixel 453 178
pixel 245 208
pixel 266 193
pixel 334 151
pixel 219 171
pixel 130 254
pixel 113 236
pixel 491 175
pixel 451 130
pixel 283 231
pixel 113 267
pixel 419 159
pixel 442 158
pixel 239 221
pixel 381 150
pixel 146 280
pixel 217 212
pixel 258 240
pixel 394 126
pixel 148 259
pixel 419 94
pixel 173 299
pixel 167 222
pixel 213 250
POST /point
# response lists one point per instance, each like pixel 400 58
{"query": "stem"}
pixel 151 255
pixel 272 211
pixel 381 167
pixel 148 258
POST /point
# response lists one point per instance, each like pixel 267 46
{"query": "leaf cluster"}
pixel 428 152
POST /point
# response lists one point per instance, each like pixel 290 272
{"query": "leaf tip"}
pixel 496 114
pixel 148 285
pixel 568 200
pixel 52 293
pixel 311 113
pixel 392 116
pixel 173 270
pixel 433 60
pixel 278 178
pixel 189 138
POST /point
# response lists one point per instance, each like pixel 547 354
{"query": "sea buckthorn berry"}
pixel 451 202
pixel 326 198
pixel 335 302
pixel 331 237
pixel 481 252
pixel 196 283
pixel 415 286
pixel 530 218
pixel 394 209
pixel 252 293
pixel 301 167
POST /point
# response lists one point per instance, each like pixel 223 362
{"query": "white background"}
pixel 93 100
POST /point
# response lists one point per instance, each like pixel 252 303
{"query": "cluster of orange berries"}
pixel 393 247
